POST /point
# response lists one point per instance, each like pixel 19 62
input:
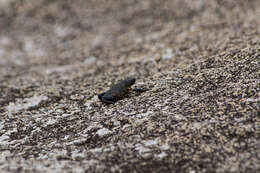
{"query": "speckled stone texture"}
pixel 199 60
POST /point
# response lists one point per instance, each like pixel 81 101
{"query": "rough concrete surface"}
pixel 199 59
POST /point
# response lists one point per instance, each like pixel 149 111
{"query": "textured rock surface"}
pixel 199 59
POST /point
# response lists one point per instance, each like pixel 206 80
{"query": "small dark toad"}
pixel 118 91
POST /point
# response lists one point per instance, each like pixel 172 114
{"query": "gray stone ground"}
pixel 199 59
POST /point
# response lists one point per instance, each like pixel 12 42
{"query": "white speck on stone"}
pixel 66 137
pixel 3 61
pixel 96 150
pixel 92 127
pixel 74 155
pixel 78 169
pixel 110 148
pixel 192 171
pixel 90 60
pixel 144 114
pixel 150 143
pixel 197 125
pixel 40 157
pixel 168 54
pixel 60 111
pixel 126 113
pixel 65 115
pixel 165 147
pixel 26 104
pixel 17 57
pixel 36 130
pixel 60 69
pixel 147 155
pixel 4 41
pixel 103 132
pixel 62 31
pixel 38 117
pixel 193 48
pixel 89 102
pixel 179 117
pixel 253 99
pixel 50 122
pixel 5 137
pixel 116 123
pixel 4 140
pixel 29 46
pixel 161 155
pixel 1 125
pixel 126 126
pixel 77 141
pixel 53 143
pixel 4 3
pixel 3 156
pixel 142 149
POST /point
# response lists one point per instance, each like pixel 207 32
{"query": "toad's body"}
pixel 117 91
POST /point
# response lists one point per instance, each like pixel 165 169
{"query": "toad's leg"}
pixel 108 99
pixel 101 95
